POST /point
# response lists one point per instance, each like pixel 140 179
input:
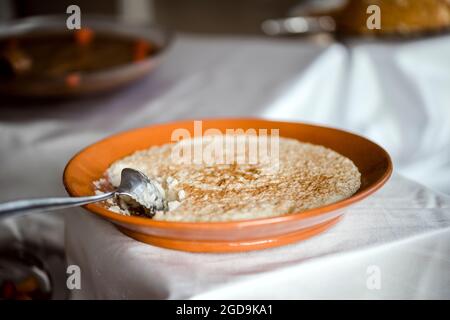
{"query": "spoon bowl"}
pixel 137 189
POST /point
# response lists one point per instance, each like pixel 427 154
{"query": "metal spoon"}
pixel 134 186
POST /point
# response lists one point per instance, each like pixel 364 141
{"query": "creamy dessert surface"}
pixel 307 176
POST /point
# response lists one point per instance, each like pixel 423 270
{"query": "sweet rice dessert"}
pixel 298 177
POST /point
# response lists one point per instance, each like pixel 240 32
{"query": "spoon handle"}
pixel 8 209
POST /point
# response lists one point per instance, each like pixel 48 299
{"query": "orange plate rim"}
pixel 140 221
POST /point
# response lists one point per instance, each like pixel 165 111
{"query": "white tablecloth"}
pixel 396 94
pixel 335 262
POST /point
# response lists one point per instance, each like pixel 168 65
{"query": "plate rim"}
pixel 172 225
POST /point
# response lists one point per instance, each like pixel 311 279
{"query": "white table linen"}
pixel 115 266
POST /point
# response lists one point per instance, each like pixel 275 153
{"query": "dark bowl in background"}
pixel 93 82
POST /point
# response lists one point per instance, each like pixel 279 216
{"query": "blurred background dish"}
pixel 399 18
pixel 24 275
pixel 40 57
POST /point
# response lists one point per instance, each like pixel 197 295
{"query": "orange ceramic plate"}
pixel 89 165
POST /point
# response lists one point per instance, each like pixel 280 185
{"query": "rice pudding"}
pixel 304 176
